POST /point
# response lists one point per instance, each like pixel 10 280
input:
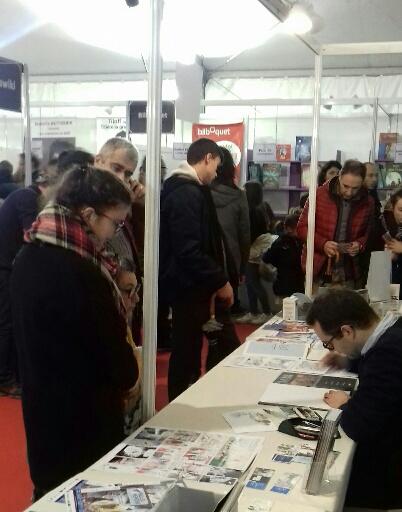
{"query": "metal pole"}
pixel 27 127
pixel 128 121
pixel 313 176
pixel 151 249
pixel 374 134
pixel 243 170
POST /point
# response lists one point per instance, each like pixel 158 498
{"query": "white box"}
pixel 289 309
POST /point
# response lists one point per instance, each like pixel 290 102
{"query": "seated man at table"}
pixel 360 341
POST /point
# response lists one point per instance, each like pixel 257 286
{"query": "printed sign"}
pixel 264 152
pixel 10 86
pixel 230 136
pixel 109 127
pixel 138 116
pixel 180 150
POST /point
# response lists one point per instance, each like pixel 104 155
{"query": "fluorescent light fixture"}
pixel 298 21
pixel 211 28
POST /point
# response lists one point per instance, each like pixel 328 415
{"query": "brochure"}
pixel 303 389
pixel 255 420
pixel 183 454
pixel 273 347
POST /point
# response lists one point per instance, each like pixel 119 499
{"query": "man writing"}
pixel 344 212
pixel 359 341
pixel 192 259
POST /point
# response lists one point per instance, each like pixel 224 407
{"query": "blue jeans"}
pixel 255 290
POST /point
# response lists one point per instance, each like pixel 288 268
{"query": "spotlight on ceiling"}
pixel 298 21
pixel 132 3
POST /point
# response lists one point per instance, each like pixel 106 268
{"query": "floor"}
pixel 15 484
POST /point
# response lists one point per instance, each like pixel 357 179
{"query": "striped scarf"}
pixel 57 225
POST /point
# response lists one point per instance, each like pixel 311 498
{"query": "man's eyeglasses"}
pixel 328 343
pixel 118 225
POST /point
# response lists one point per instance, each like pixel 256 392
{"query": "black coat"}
pixel 74 359
pixel 372 418
pixel 285 255
pixel 191 246
pixel 17 214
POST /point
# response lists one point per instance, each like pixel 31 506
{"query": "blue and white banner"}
pixel 10 86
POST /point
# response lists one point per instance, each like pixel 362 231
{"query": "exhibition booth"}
pixel 279 129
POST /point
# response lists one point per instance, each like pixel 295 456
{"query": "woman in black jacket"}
pixel 70 329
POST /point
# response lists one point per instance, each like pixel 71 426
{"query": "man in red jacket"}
pixel 344 212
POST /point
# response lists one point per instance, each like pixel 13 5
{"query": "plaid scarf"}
pixel 57 225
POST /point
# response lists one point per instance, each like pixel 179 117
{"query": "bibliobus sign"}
pixel 230 136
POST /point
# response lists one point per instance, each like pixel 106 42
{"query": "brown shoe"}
pixel 13 391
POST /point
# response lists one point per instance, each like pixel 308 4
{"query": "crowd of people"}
pixel 71 273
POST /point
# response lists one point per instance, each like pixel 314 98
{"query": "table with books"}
pixel 220 440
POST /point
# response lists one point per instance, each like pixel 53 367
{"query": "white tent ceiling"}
pixel 50 51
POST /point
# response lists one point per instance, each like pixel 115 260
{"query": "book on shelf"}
pixel 303 148
pixel 275 175
pixel 283 152
pixel 325 445
pixel 305 175
pixel 387 145
pixel 254 172
pixel 389 175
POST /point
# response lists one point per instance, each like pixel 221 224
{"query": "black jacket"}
pixel 74 359
pixel 17 213
pixel 285 255
pixel 191 246
pixel 372 418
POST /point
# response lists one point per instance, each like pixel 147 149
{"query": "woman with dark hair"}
pixel 70 328
pixel 394 223
pixel 261 240
pixel 328 171
pixel 232 209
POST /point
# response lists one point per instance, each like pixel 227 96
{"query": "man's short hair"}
pixel 200 148
pixel 291 221
pixel 116 143
pixel 354 167
pixel 335 308
pixel 6 171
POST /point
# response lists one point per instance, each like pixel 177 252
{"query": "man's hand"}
pixel 334 360
pixel 138 190
pixel 225 295
pixel 331 249
pixel 353 249
pixel 335 399
pixel 395 246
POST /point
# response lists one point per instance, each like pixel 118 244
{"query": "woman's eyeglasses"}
pixel 118 225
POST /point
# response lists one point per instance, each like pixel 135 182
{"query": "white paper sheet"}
pixel 255 420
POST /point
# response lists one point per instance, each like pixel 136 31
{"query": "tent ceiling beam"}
pixel 390 47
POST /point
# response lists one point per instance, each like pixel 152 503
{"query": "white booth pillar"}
pixel 313 177
pixel 152 213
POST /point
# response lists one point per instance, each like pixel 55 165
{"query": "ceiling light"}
pixel 298 21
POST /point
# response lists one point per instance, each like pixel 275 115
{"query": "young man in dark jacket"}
pixel 191 259
pixel 344 213
pixel 360 341
pixel 285 255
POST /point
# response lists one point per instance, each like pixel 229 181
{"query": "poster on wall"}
pixel 138 116
pixel 230 136
pixel 283 152
pixel 50 137
pixel 387 146
pixel 109 127
pixel 264 152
